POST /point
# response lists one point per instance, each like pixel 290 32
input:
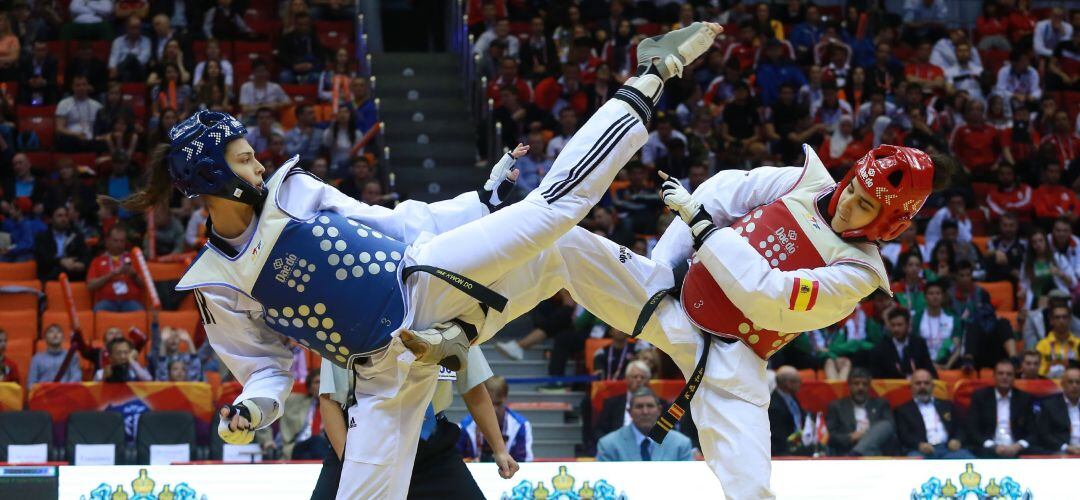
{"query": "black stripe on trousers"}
pixel 586 158
pixel 563 191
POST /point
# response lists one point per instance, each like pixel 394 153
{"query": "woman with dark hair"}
pixel 910 282
pixel 992 28
pixel 617 48
pixel 212 91
pixel 942 260
pixel 1043 270
pixel 335 78
pixel 159 134
pixel 171 93
pixel 340 138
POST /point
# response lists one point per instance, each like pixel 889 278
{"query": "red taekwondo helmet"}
pixel 899 178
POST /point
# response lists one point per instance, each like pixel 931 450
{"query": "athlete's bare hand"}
pixel 507 465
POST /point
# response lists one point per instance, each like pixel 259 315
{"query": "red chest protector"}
pixel 773 231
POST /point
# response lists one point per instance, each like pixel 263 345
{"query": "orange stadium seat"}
pixel 19 301
pixel 815 395
pixel 54 296
pixel 166 271
pixel 981 243
pixel 1001 295
pixel 86 322
pixel 18 271
pixel 591 346
pixel 124 321
pixel 808 375
pixel 1012 317
pixel 186 320
pixel 1039 388
pixel 28 111
pixel 19 324
pixel 963 390
pixel 80 159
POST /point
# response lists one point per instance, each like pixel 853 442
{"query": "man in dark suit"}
pixel 901 353
pixel 1001 420
pixel 785 415
pixel 1058 425
pixel 38 72
pixel 61 249
pixel 860 425
pixel 927 426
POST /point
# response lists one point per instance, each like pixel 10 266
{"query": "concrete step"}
pixel 424 104
pixel 428 86
pixel 492 353
pixel 394 116
pixel 536 416
pixel 555 448
pixel 525 368
pixel 419 62
pixel 557 432
pixel 434 129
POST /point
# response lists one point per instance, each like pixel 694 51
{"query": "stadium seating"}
pixel 18 271
pixel 96 427
pixel 164 427
pixel 25 427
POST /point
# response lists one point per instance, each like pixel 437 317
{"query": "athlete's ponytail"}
pixel 158 185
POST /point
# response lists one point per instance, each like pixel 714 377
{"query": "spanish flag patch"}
pixel 803 295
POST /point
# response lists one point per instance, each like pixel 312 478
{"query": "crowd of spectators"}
pixel 990 272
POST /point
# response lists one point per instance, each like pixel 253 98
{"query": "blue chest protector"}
pixel 332 284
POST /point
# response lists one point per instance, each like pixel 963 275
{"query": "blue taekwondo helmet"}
pixel 197 158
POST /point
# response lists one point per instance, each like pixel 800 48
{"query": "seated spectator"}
pixel 945 53
pixel 956 250
pixel 833 348
pixel 922 72
pixel 374 194
pixel 123 364
pixel 340 138
pixel 860 425
pixel 805 36
pixel 213 54
pixel 740 126
pixel 172 93
pixel 1065 243
pixel 1038 321
pixel 1009 195
pixel 300 53
pixel 1064 67
pixel 515 428
pixel 112 277
pixel 1029 365
pixel 121 180
pixel 632 441
pixel 992 28
pixel 225 22
pixel 1058 348
pixel 977 145
pixel 91 19
pixel 1018 81
pixel 555 93
pixel 301 423
pixel 260 92
pixel 615 410
pixel 274 156
pixel 112 110
pixel 942 329
pixel 75 116
pixel 335 78
pixel 534 165
pixel 909 289
pixel 831 109
pixel 1005 252
pixel 610 362
pixel 929 427
pixel 508 79
pixel 168 351
pixel 168 233
pixel 900 354
pixel 23 229
pixel 605 222
pixel 39 75
pixel 987 337
pixel 954 210
pixel 1057 425
pixel 87 64
pixel 1044 270
pixel 361 172
pixel 164 32
pixel 1001 420
pixel 1051 32
pixel 305 138
pixel 259 135
pixel 1052 200
pixel 539 57
pixel 900 247
pixel 362 104
pixel 1063 141
pixel 965 73
pixel 775 71
pixel 516 118
pixel 172 54
pixel 501 33
pixel 924 19
pixel 61 249
pixel 9 371
pixel 130 53
pixel 568 125
pixel 178 371
pixel 842 149
pixel 46 364
pixel 786 416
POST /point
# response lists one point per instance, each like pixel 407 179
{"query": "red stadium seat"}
pixel 21 351
pixel 55 300
pixel 28 111
pixel 199 49
pixel 1039 388
pixel 86 322
pixel 124 321
pixel 185 320
pixel 19 324
pixel 253 50
pixel 815 395
pixel 302 93
pixel 270 29
pixel 20 301
pixel 898 391
pixel 18 271
pixel 43 126
pixel 41 160
pixel 10 90
pixel 82 159
pixel 963 390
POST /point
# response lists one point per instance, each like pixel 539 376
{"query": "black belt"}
pixel 677 409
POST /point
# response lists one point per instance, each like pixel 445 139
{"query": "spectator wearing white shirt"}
pixel 568 125
pixel 1050 32
pixel 213 53
pixel 501 32
pixel 943 54
pixel 1064 243
pixel 1018 80
pixel 260 92
pixel 928 427
pixel 534 165
pixel 955 210
pixel 90 19
pixel 657 145
pixel 130 53
pixel 965 73
pixel 75 116
pixel 1058 422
